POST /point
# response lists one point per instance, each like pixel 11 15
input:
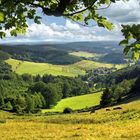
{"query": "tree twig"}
pixel 104 7
pixel 77 12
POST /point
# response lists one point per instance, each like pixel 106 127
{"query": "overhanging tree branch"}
pixel 83 10
pixel 61 8
pixel 103 8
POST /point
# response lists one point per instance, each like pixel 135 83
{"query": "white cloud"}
pixel 118 13
pixel 71 26
pixel 68 32
pixel 123 12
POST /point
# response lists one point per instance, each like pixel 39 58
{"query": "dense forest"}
pixel 117 85
pixel 28 94
pixel 121 85
pixel 114 58
pixel 40 54
pixel 108 52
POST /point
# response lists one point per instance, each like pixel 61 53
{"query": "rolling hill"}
pixel 114 58
pixel 72 70
pixel 21 67
pixel 62 53
pixel 40 53
pixel 120 124
pixel 76 103
pixel 83 54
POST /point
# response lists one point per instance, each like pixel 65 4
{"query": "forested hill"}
pixel 114 58
pixel 118 86
pixel 40 53
pixel 122 85
pixel 4 55
pixel 99 47
pixel 59 53
pixel 28 94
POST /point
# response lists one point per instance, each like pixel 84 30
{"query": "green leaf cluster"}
pixel 14 14
pixel 131 40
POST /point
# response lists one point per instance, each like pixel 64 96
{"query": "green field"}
pixel 83 54
pixel 75 103
pixel 73 70
pixel 88 65
pixel 32 68
pixel 121 124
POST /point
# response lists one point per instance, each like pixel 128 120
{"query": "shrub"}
pixel 2 121
pixel 67 110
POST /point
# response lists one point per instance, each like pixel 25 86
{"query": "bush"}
pixel 67 110
pixel 2 121
pixel 8 106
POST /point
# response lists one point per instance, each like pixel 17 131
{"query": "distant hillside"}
pixel 72 70
pixel 128 73
pixel 41 53
pixel 98 47
pixel 4 55
pixel 114 58
pixel 59 53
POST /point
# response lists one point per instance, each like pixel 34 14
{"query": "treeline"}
pixel 117 86
pixel 122 74
pixel 29 94
pixel 120 92
pixel 4 55
pixel 14 98
pixel 40 54
pixel 114 58
pixel 97 78
pixel 110 76
pixel 123 85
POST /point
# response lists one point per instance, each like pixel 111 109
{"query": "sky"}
pixel 59 29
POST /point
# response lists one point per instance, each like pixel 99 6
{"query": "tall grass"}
pixel 101 125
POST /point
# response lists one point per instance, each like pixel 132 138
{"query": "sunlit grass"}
pixel 32 68
pixel 88 65
pixel 121 124
pixel 73 70
pixel 83 54
pixel 75 103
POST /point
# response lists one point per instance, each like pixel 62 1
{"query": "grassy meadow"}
pixel 21 67
pixel 83 54
pixel 121 124
pixel 73 70
pixel 88 65
pixel 75 103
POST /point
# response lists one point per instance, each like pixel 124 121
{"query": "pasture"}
pixel 76 103
pixel 21 67
pixel 83 54
pixel 89 65
pixel 121 124
pixel 72 70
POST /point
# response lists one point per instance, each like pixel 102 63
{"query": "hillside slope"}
pixel 72 70
pixel 123 124
pixel 76 103
pixel 40 53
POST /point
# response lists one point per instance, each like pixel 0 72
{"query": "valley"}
pixel 72 70
pixel 69 70
pixel 72 93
